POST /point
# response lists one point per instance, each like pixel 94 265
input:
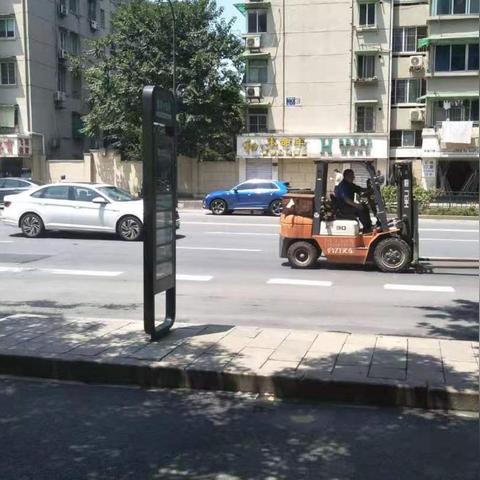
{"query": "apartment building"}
pixel 341 79
pixel 41 100
pixel 450 145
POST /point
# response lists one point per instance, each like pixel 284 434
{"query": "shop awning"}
pixel 254 55
pixel 442 95
pixel 448 39
pixel 243 7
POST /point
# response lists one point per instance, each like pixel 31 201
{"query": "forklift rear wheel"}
pixel 302 254
pixel 392 255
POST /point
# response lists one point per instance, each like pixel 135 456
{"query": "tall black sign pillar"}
pixel 160 202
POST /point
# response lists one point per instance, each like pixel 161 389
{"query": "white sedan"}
pixel 75 206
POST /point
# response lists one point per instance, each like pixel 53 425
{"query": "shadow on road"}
pixel 75 432
pixel 461 318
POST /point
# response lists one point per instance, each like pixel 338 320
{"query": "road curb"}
pixel 149 375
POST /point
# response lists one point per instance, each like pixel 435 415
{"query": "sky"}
pixel 232 12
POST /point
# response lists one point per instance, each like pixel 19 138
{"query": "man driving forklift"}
pixel 345 200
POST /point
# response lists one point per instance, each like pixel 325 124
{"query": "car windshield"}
pixel 116 194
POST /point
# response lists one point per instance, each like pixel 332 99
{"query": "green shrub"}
pixel 422 196
pixel 466 211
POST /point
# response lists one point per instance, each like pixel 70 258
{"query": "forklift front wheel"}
pixel 392 255
pixel 302 254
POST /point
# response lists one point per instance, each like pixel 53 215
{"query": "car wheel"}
pixel 275 207
pixel 218 207
pixel 32 225
pixel 130 228
pixel 392 255
pixel 302 254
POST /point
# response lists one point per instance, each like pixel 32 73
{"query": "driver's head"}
pixel 348 175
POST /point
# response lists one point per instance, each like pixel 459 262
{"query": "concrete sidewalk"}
pixel 333 366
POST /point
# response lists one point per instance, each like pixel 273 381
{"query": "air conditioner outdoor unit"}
pixel 62 54
pixel 417 115
pixel 59 96
pixel 93 25
pixel 416 62
pixel 253 41
pixel 253 91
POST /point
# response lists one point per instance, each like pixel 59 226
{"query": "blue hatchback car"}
pixel 253 194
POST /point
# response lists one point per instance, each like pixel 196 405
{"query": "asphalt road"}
pixel 64 431
pixel 230 273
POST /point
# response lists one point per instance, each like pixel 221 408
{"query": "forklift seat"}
pixel 337 213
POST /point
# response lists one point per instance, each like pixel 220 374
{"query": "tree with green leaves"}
pixel 138 52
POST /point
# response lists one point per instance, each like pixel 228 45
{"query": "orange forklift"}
pixel 312 226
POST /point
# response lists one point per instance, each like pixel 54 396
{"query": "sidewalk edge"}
pixel 143 374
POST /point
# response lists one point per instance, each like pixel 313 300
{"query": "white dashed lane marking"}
pixel 231 224
pixel 61 271
pixel 463 230
pixel 295 281
pixel 447 240
pixel 194 278
pixel 221 249
pixel 419 288
pixel 250 234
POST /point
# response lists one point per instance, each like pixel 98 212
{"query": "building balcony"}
pixel 366 80
pixel 15 145
pixel 454 140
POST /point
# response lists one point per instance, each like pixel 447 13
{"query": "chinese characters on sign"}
pixel 292 101
pixel 14 146
pixel 428 168
pixel 293 147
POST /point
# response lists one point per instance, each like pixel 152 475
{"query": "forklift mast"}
pixel 381 211
pixel 320 190
pixel 407 208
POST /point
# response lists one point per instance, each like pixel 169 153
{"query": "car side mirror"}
pixel 99 200
pixel 235 190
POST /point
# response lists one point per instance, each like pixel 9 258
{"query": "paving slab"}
pixel 328 342
pixel 333 366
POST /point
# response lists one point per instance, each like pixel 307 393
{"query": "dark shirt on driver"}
pixel 345 190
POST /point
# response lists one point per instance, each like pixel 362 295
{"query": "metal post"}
pixel 174 50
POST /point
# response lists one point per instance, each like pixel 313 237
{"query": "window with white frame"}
pixel 406 138
pixel 456 110
pixel 74 47
pixel 455 7
pixel 456 58
pixel 257 120
pixel 76 85
pixel 405 40
pixel 257 71
pixel 408 90
pixel 61 78
pixel 257 21
pixel 367 14
pixel 365 66
pixel 92 9
pixel 73 6
pixel 62 38
pixel 7 27
pixel 365 118
pixel 8 73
